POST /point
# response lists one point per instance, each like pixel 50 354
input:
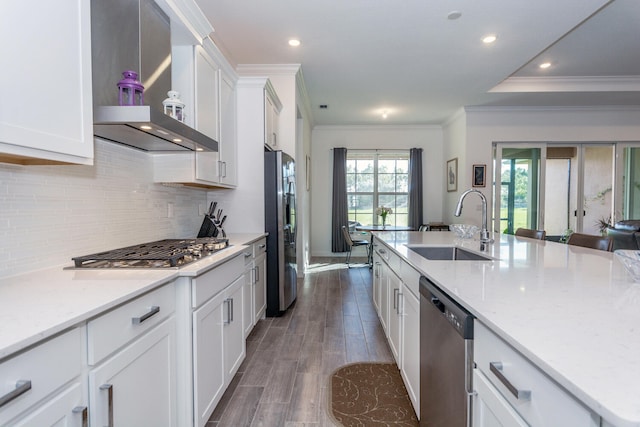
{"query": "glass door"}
pixel 627 194
pixel 517 186
pixel 561 188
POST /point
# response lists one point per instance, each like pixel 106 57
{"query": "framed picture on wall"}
pixel 479 175
pixel 452 175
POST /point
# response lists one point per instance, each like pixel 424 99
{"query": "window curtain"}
pixel 339 216
pixel 415 188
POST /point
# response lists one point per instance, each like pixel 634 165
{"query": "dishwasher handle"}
pixel 439 305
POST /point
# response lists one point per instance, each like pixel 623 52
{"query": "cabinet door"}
pixel 63 410
pixel 207 90
pixel 47 110
pixel 410 366
pixel 384 297
pixel 208 354
pixel 248 299
pixel 393 327
pixel 260 287
pixel 490 409
pixel 228 146
pixel 376 282
pixel 233 332
pixel 136 386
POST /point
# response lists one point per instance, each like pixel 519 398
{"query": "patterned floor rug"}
pixel 370 394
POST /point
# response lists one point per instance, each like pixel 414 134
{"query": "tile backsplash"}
pixel 49 214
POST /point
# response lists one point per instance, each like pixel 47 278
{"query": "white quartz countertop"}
pixel 40 304
pixel 572 311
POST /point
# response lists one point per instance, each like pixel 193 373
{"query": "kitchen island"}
pixel 572 312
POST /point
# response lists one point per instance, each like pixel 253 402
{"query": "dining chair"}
pixel 534 234
pixel 603 243
pixel 424 227
pixel 351 243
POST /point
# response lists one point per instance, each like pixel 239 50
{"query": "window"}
pixel 378 179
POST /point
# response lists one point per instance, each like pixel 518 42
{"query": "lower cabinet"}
pixel 395 297
pixel 255 285
pixel 394 332
pixel 218 334
pixel 43 386
pixel 410 365
pixel 132 362
pixel 136 386
pixel 511 391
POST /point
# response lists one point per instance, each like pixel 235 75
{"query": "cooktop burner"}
pixel 168 253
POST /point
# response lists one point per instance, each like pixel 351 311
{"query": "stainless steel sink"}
pixel 448 253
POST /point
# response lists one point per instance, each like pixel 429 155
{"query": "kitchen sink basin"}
pixel 448 253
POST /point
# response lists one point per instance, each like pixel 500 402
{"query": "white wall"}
pixel 49 214
pixel 484 126
pixel 324 138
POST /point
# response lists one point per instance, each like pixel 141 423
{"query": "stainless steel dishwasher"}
pixel 446 359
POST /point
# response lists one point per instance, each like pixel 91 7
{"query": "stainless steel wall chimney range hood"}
pixel 136 35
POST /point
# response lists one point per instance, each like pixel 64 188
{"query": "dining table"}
pixel 377 227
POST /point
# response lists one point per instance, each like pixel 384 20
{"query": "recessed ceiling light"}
pixel 146 127
pixel 489 39
pixel 384 114
pixel 545 65
pixel 176 140
pixel 454 15
pixel 294 42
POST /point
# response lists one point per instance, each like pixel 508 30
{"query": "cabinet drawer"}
pixel 260 247
pixel 411 279
pixel 213 281
pixel 117 327
pixel 547 402
pixel 48 367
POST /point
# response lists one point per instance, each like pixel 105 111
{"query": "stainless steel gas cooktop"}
pixel 168 253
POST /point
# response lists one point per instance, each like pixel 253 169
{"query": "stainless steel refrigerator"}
pixel 280 223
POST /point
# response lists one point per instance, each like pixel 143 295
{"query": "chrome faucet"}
pixel 484 232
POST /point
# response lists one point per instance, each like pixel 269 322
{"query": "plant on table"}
pixel 383 212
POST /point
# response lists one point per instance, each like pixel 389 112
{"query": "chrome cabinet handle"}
pixel 262 246
pixel 382 251
pixel 225 169
pixel 377 270
pixel 109 389
pixel 496 368
pixel 395 298
pixel 257 276
pixel 22 387
pixel 82 410
pixel 137 320
pixel 228 303
pixel 399 310
pixel 247 254
pixel 231 317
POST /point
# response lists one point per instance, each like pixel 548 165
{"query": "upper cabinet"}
pixel 46 113
pixel 272 107
pixel 207 86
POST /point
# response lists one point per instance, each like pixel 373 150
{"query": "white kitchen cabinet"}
pixel 135 384
pixel 272 108
pixel 207 86
pixel 260 286
pixel 62 410
pixel 43 386
pixel 394 332
pixel 218 333
pixel 511 391
pixel 255 291
pixel 410 352
pixel 46 114
pixel 228 147
pixel 395 296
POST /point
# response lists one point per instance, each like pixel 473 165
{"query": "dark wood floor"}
pixel 283 381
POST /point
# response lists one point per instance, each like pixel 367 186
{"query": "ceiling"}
pixel 406 57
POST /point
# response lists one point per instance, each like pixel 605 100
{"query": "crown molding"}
pixel 569 84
